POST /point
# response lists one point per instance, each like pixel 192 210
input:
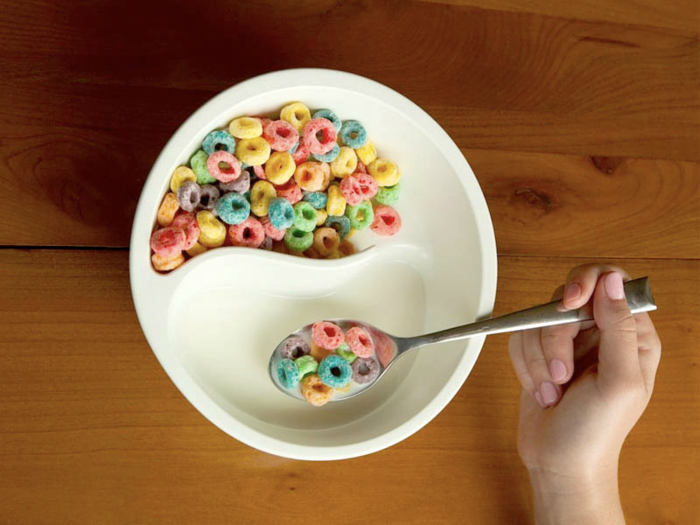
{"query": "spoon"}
pixel 389 348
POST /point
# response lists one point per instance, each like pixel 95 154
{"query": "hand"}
pixel 585 385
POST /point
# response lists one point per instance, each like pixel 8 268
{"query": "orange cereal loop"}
pixel 346 248
pixel 165 264
pixel 318 353
pixel 326 241
pixel 167 210
pixel 312 253
pixel 314 391
pixel 309 176
pixel 326 169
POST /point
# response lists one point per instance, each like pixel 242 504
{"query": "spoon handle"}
pixel 639 299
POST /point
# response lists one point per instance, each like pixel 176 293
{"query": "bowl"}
pixel 213 322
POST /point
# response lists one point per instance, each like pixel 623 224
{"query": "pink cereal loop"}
pixel 290 191
pixel 361 168
pixel 359 342
pixel 168 242
pixel 350 187
pixel 249 233
pixel 272 232
pixel 301 154
pixel 223 174
pixel 281 135
pixel 329 135
pixel 368 186
pixel 387 221
pixel 327 335
pixel 259 172
pixel 188 223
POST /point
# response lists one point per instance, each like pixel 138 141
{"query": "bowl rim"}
pixel 190 389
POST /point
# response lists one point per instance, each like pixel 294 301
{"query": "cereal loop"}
pixel 306 365
pixel 353 134
pixel 167 209
pixel 314 391
pixel 294 347
pixel 167 242
pixel 387 221
pixel 365 370
pixel 288 373
pixel 272 232
pixel 298 240
pixel 304 216
pixel 335 371
pixel 212 232
pixel 165 264
pixel 352 192
pixel 309 176
pixel 181 175
pixel 320 136
pixel 199 166
pixel 389 195
pixel 197 249
pixel 260 196
pixel 253 152
pixel 328 114
pixel 281 135
pixel 300 154
pixel 345 163
pixel 290 191
pixel 281 216
pixel 223 166
pixel 346 248
pixel 188 223
pixel 279 168
pixel 367 153
pixel 297 114
pixel 321 216
pixel 361 216
pixel 385 172
pixel 327 335
pixel 233 208
pixel 326 241
pixel 189 195
pixel 219 140
pixel 245 128
pixel 341 224
pixel 359 342
pixel 250 233
pixel 336 201
pixel 368 186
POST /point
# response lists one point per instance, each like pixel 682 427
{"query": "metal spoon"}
pixel 390 348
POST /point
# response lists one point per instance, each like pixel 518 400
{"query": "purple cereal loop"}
pixel 364 370
pixel 240 185
pixel 266 244
pixel 188 195
pixel 210 194
pixel 294 347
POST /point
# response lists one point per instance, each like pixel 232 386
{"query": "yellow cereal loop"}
pixel 336 201
pixel 321 216
pixel 181 175
pixel 245 128
pixel 345 163
pixel 261 194
pixel 167 210
pixel 385 172
pixel 253 152
pixel 326 169
pixel 165 264
pixel 367 153
pixel 279 167
pixel 196 250
pixel 212 232
pixel 297 114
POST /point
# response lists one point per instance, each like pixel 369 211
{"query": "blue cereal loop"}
pixel 335 371
pixel 281 213
pixel 328 157
pixel 217 140
pixel 233 208
pixel 350 128
pixel 328 114
pixel 288 373
pixel 317 199
pixel 341 224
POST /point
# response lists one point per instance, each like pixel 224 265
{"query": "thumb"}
pixel 618 354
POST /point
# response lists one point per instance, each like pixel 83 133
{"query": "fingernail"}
pixel 572 292
pixel 614 287
pixel 557 369
pixel 548 392
pixel 538 398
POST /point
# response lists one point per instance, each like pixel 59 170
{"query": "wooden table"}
pixel 580 119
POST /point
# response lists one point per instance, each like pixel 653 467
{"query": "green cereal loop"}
pixel 306 365
pixel 198 162
pixel 298 240
pixel 361 216
pixel 344 351
pixel 305 216
pixel 388 195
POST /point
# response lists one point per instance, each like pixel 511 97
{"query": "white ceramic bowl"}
pixel 213 322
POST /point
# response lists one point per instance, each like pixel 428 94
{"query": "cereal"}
pixel 361 216
pixel 304 216
pixel 389 195
pixel 167 209
pixel 212 232
pixel 359 341
pixel 335 371
pixel 168 241
pixel 240 185
pixel 309 176
pixel 328 114
pixel 385 172
pixel 345 352
pixel 353 134
pixel 209 197
pixel 245 128
pixel 233 208
pixel 266 244
pixel 318 353
pixel 387 221
pixel 223 166
pixel 297 114
pixel 326 241
pixel 250 233
pixel 368 186
pixel 298 240
pixel 166 264
pixel 341 224
pixel 197 249
pixel 188 223
pixel 326 169
pixel 345 163
pixel 350 187
pixel 253 152
pixel 279 168
pixel 365 370
pixel 321 216
pixel 317 199
pixel 199 166
pixel 314 391
pixel 281 135
pixel 290 191
pixel 306 365
pixel 259 172
pixel 330 156
pixel 260 196
pixel 219 140
pixel 327 335
pixel 366 153
pixel 346 248
pixel 273 233
pixel 288 373
pixel 181 175
pixel 281 216
pixel 294 347
pixel 320 136
pixel 336 201
pixel 300 153
pixel 188 195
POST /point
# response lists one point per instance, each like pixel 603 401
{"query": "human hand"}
pixel 585 385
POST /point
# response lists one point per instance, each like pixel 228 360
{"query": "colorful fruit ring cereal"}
pixel 328 157
pixel 212 232
pixel 197 249
pixel 326 241
pixel 359 341
pixel 281 215
pixel 266 244
pixel 198 162
pixel 232 208
pixel 166 264
pixel 320 136
pixel 223 166
pixel 181 175
pixel 345 163
pixel 273 233
pixel 361 216
pixel 387 221
pixel 368 186
pixel 240 185
pixel 317 199
pixel 259 172
pixel 260 196
pixel 385 172
pixel 389 195
pixel 253 152
pixel 188 223
pixel 328 114
pixel 294 347
pixel 327 335
pixel 297 114
pixel 336 201
pixel 290 191
pixel 314 391
pixel 209 197
pixel 300 153
pixel 309 176
pixel 341 224
pixel 312 253
pixel 279 168
pixel 169 241
pixel 288 373
pixel 219 140
pixel 326 169
pixel 304 216
pixel 321 216
pixel 335 371
pixel 361 168
pixel 298 240
pixel 306 365
pixel 367 153
pixel 167 209
pixel 365 370
pixel 281 135
pixel 250 233
pixel 245 128
pixel 352 191
pixel 346 248
pixel 188 195
pixel 345 352
pixel 353 134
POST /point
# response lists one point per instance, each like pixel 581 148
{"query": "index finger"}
pixel 582 280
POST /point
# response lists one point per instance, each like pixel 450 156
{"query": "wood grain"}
pixel 93 431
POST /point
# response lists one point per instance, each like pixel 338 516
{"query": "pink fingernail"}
pixel 557 370
pixel 614 287
pixel 549 393
pixel 572 292
pixel 538 398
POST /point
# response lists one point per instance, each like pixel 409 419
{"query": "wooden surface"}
pixel 580 119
